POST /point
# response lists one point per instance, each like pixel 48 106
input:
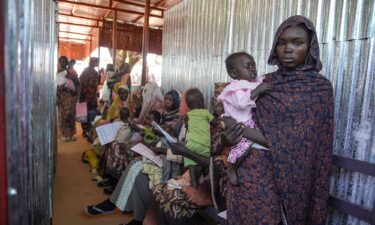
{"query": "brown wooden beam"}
pixel 114 38
pixel 145 42
pixel 139 4
pixel 157 4
pixel 106 7
pixel 352 209
pixel 81 17
pixel 77 24
pixel 78 39
pixel 69 32
pixel 354 164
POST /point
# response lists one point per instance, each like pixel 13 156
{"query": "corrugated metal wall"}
pixel 199 34
pixel 30 59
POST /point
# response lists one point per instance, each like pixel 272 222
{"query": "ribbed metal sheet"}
pixel 199 34
pixel 30 62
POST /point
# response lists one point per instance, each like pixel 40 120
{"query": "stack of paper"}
pixel 107 133
pixel 165 133
pixel 148 153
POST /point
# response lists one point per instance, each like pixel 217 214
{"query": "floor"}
pixel 74 189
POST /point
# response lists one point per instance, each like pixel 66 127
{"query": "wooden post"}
pixel 99 46
pixel 145 42
pixel 114 38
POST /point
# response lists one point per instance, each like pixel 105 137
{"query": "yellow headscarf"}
pixel 116 104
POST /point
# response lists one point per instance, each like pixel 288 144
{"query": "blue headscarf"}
pixel 176 99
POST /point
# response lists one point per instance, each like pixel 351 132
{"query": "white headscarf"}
pixel 151 94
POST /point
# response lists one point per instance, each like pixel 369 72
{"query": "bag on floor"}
pixel 81 112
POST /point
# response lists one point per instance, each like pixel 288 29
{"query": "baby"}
pixel 238 99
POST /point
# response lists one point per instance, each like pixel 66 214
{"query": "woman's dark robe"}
pixel 297 119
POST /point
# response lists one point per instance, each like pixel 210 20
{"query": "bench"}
pixel 210 213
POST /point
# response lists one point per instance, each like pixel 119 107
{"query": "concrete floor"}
pixel 74 189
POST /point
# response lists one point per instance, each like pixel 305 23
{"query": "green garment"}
pixel 198 136
pixel 149 137
pixel 153 172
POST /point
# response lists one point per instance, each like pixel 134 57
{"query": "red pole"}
pixel 145 41
pixel 3 156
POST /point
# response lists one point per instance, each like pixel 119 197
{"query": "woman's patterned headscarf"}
pixel 313 61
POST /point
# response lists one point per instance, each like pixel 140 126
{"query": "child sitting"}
pixel 198 137
pixel 123 135
pixel 238 99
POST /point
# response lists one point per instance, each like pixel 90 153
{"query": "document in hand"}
pixel 223 214
pixel 165 133
pixel 148 153
pixel 107 133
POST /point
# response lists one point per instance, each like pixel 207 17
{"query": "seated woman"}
pixel 118 157
pixel 122 191
pixel 171 106
pixel 121 100
pixel 152 100
pixel 92 156
pixel 136 197
pixel 179 205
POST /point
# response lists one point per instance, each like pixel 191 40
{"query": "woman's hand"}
pixel 262 88
pixel 195 173
pixel 233 134
pixel 177 148
pixel 227 122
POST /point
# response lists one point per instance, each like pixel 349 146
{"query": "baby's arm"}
pixel 263 87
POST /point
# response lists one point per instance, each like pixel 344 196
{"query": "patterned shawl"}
pixel 297 121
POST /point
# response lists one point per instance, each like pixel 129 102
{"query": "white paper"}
pixel 223 214
pixel 107 133
pixel 97 118
pixel 165 133
pixel 148 153
pixel 60 78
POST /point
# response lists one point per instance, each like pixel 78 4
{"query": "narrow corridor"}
pixel 74 189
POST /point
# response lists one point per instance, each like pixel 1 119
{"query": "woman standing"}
pixel 289 183
pixel 67 96
pixel 89 85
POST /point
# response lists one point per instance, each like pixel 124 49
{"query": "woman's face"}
pixel 123 94
pixel 292 47
pixel 168 102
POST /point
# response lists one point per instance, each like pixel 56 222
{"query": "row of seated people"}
pixel 189 179
pixel 284 180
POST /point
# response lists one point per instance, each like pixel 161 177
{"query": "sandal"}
pixel 97 178
pixel 65 139
pixel 94 211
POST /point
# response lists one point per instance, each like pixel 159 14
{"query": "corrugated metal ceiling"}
pixel 71 12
